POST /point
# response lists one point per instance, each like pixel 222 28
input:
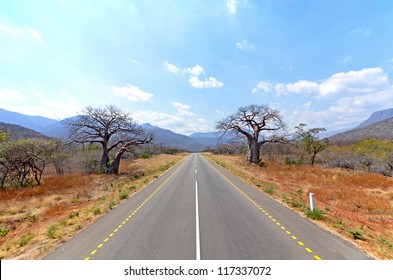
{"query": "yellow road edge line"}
pixel 267 214
pixel 136 210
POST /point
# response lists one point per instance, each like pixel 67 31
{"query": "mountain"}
pixel 36 123
pixel 382 130
pixel 172 139
pixel 377 117
pixel 54 128
pixel 212 139
pixel 328 134
pixel 18 132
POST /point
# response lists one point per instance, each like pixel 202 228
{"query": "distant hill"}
pixel 377 116
pixel 382 130
pixel 19 132
pixel 172 139
pixel 53 128
pixel 212 139
pixel 36 123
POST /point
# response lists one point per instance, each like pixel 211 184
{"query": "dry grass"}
pixel 354 204
pixel 35 220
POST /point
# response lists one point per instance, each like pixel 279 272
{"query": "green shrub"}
pixel 30 217
pixel 96 211
pixel 25 239
pixel 75 199
pixel 357 234
pixel 123 195
pixel 145 156
pixel 316 214
pixel 111 204
pixel 4 232
pixel 51 233
pixel 269 188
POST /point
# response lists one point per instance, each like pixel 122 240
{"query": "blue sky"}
pixel 184 65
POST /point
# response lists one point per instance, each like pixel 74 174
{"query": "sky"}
pixel 185 65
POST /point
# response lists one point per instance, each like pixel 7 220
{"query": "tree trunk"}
pixel 114 168
pixel 105 158
pixel 313 158
pixel 253 152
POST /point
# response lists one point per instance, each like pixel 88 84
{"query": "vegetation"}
pixel 110 127
pixel 356 205
pixel 309 141
pixel 250 122
pixel 63 205
pixel 22 162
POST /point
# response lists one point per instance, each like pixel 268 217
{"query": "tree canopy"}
pixel 111 127
pixel 260 124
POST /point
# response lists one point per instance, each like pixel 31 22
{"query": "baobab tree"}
pixel 111 127
pixel 259 125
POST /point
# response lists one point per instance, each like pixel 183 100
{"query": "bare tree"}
pixel 259 124
pixel 111 127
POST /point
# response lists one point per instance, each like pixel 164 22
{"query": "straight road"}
pixel 197 210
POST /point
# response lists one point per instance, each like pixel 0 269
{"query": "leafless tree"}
pixel 259 124
pixel 111 127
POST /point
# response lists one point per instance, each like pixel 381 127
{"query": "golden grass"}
pixel 351 201
pixel 34 221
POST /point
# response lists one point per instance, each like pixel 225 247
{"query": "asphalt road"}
pixel 197 210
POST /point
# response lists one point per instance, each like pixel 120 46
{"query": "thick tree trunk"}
pixel 105 158
pixel 253 152
pixel 115 166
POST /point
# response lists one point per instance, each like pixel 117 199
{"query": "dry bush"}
pixel 47 215
pixel 349 199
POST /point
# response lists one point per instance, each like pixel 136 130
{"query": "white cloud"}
pixel 194 79
pixel 32 103
pixel 11 95
pixel 182 109
pixel 180 124
pixel 365 81
pixel 232 6
pixel 207 83
pixel 197 70
pixel 342 100
pixel 244 45
pixel 262 87
pixel 133 61
pixel 171 68
pixel 132 93
pixel 21 32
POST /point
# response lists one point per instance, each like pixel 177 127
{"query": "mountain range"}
pixel 37 126
pixel 378 126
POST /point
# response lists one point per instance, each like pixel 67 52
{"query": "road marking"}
pixel 259 207
pixel 138 208
pixel 198 247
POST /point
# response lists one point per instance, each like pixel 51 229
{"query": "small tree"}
pixel 112 128
pixel 309 141
pixel 25 160
pixel 259 124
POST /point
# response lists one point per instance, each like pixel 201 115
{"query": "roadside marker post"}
pixel 312 202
